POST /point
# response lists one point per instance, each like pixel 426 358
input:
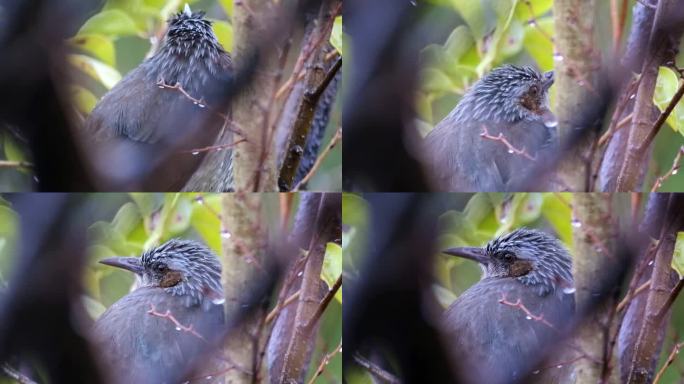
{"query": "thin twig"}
pixel 375 370
pixel 511 149
pixel 669 361
pixel 627 299
pixel 518 304
pixel 333 142
pixel 15 164
pixel 16 375
pixel 195 151
pixel 673 295
pixel 279 307
pixel 609 133
pixel 324 303
pixel 663 116
pixel 673 171
pixel 324 362
pixel 179 326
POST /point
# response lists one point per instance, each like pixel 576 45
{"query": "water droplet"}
pixel 201 105
pixel 195 153
pixel 194 102
pixel 209 377
pixel 532 22
pixel 199 200
pixel 35 178
pixel 161 87
pixel 178 329
pixel 528 317
pixel 569 290
pixel 535 372
pixel 413 2
pixel 650 262
pixel 576 223
pixel 510 151
pixel 299 274
pixel 632 96
pixel 675 171
pixel 557 56
pixel 559 366
pixel 226 234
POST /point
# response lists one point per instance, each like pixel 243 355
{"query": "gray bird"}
pixel 152 130
pixel 491 336
pixel 157 332
pixel 509 101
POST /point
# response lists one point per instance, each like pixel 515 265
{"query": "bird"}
pixel 153 122
pixel 466 151
pixel 499 326
pixel 158 332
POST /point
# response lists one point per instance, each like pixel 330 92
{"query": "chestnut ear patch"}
pixel 531 103
pixel 170 279
pixel 521 268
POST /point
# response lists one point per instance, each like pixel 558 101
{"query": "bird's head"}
pixel 182 268
pixel 508 94
pixel 532 257
pixel 190 35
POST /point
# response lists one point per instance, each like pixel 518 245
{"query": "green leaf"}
pixel 96 69
pixel 336 34
pixel 332 267
pixel 9 220
pixel 224 33
pixel 666 86
pixel 113 22
pixel 538 43
pixel 460 40
pixel 512 41
pixel 434 80
pixel 556 210
pixel 127 218
pixel 179 221
pixel 83 99
pixel 474 15
pixel 354 210
pixel 444 296
pixel 527 10
pixel 678 257
pixel 206 222
pixel 12 149
pixel 99 46
pixel 227 6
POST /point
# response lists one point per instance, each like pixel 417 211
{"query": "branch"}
pixel 324 362
pixel 16 375
pixel 664 115
pixel 179 326
pixel 518 304
pixel 673 170
pixel 324 303
pixel 669 361
pixel 375 370
pixel 511 149
pixel 333 142
pixel 196 151
pixel 15 164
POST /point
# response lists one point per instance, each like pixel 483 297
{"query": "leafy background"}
pixel 473 220
pixel 117 38
pixel 469 38
pixel 127 224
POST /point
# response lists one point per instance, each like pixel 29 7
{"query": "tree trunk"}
pixel 594 235
pixel 576 84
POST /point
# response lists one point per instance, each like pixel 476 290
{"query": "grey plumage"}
pixel 510 100
pixel 492 340
pixel 156 128
pixel 138 344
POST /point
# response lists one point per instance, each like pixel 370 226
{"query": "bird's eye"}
pixel 507 256
pixel 160 267
pixel 534 90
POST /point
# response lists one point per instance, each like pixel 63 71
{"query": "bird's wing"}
pixel 493 336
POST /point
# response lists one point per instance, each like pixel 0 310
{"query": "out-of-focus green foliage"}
pixel 666 86
pixel 144 220
pixel 678 257
pixel 494 31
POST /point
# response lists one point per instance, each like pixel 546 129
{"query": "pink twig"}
pixel 530 315
pixel 179 326
pixel 511 149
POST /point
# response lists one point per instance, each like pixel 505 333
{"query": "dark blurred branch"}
pixel 664 40
pixel 648 344
pixel 375 370
pixel 328 227
pixel 304 90
pixel 16 375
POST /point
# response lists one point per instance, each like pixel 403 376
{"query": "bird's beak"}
pixel 470 253
pixel 187 10
pixel 547 80
pixel 128 263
